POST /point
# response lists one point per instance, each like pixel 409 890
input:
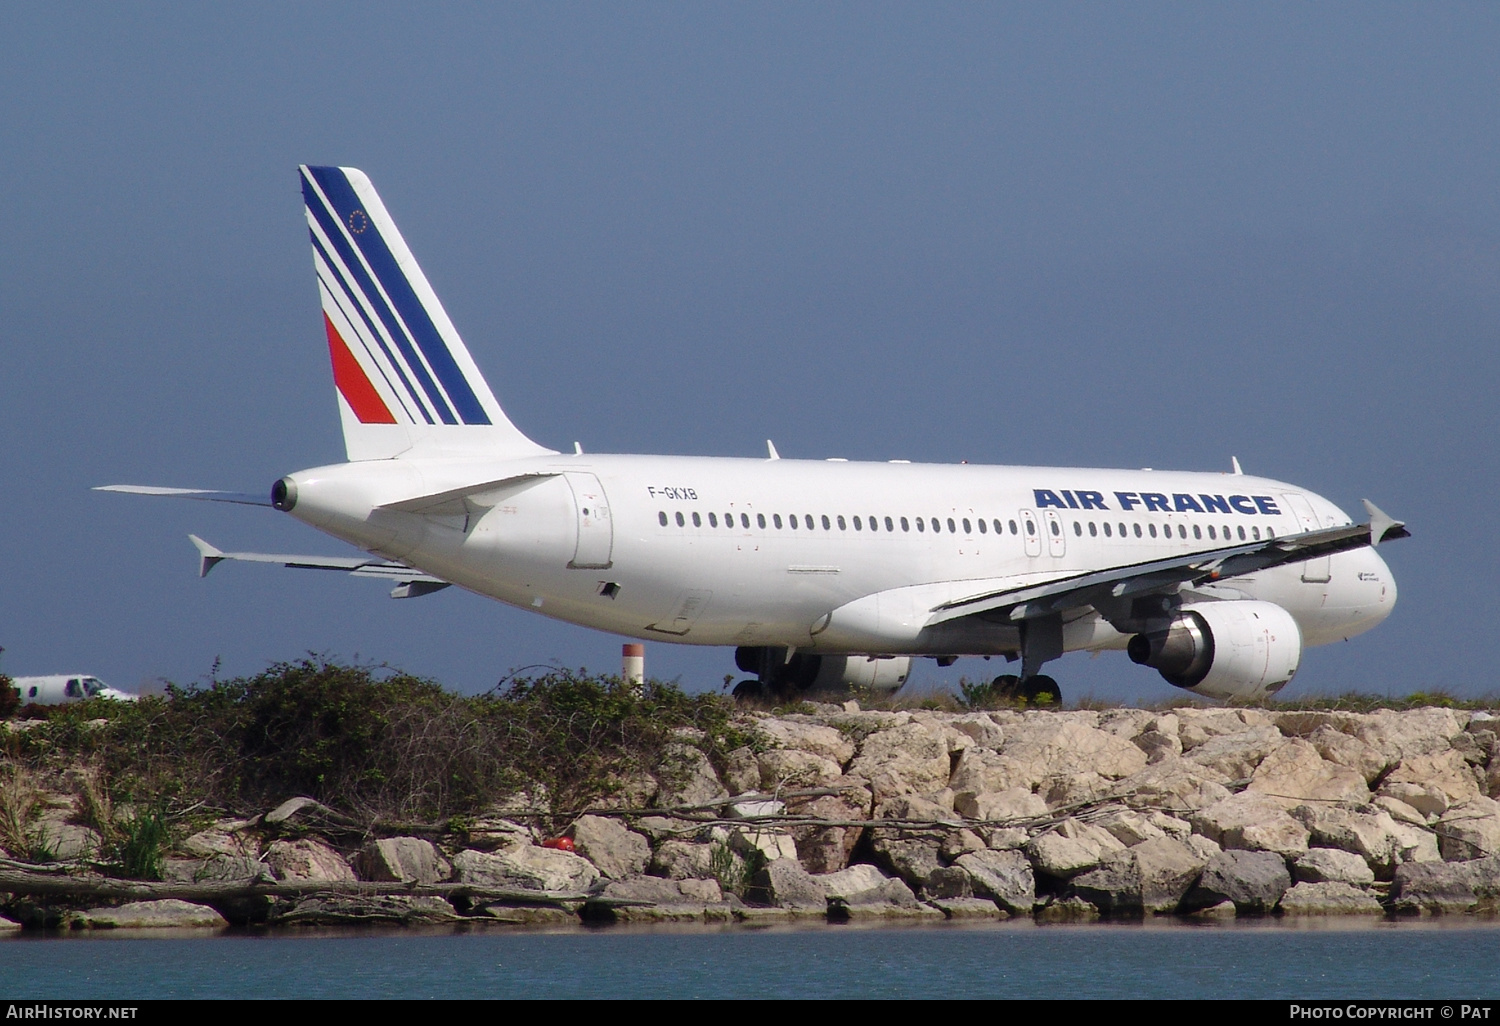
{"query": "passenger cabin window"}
pixel 952 527
pixel 1182 530
pixel 1197 531
pixel 1242 534
pixel 1013 528
pixel 1094 529
pixel 776 519
pixel 808 520
pixel 904 525
pixel 760 520
pixel 1255 533
pixel 982 528
pixel 1106 530
pixel 921 524
pixel 842 526
pixel 1030 527
pixel 858 525
pixel 1270 533
pixel 968 529
pixel 937 526
pixel 1077 529
pixel 680 521
pixel 889 526
pixel 791 521
pixel 1138 530
pixel 745 521
pixel 828 526
pixel 661 518
pixel 1152 529
pixel 697 520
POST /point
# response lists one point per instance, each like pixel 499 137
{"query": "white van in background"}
pixel 61 688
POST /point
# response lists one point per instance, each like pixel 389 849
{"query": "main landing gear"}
pixel 1038 689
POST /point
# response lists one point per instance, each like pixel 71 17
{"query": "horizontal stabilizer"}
pixel 201 494
pixel 410 582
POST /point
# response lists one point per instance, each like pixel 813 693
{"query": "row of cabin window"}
pixel 937 525
pixel 1166 532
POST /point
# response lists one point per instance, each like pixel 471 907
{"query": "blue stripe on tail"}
pixel 423 332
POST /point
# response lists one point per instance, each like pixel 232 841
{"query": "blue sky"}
pixel 1078 234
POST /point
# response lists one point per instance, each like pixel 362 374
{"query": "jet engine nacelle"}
pixel 1243 649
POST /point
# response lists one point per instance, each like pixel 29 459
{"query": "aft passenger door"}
pixel 596 533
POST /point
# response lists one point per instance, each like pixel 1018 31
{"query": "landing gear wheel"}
pixel 1042 690
pixel 1006 686
pixel 750 690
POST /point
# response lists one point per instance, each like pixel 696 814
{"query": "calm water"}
pixel 1405 960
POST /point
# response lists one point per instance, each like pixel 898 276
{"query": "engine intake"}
pixel 1243 649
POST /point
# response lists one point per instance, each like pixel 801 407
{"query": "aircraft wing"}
pixel 1028 602
pixel 410 582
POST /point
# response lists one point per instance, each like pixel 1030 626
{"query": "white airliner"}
pixel 820 573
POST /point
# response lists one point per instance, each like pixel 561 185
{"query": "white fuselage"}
pixel 704 551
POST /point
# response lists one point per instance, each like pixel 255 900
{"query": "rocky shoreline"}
pixel 846 814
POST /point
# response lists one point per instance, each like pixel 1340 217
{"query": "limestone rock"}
pixel 826 849
pixel 1018 803
pixel 1126 723
pixel 615 850
pixel 683 860
pixel 1380 840
pixel 1177 786
pixel 985 732
pixel 218 869
pixel 742 771
pixel 1470 830
pixel 1295 772
pixel 961 842
pixel 1237 754
pixel 947 882
pixel 965 908
pixel 1070 789
pixel 1196 726
pixel 1253 822
pixel 1064 745
pixel 1400 735
pixel 1158 745
pixel 687 778
pixel 826 741
pixel 1323 899
pixel 1005 877
pixel 1130 827
pixel 1400 811
pixel 785 884
pixel 981 771
pixel 403 860
pixel 914 859
pixel 849 884
pixel 790 769
pixel 1438 887
pixel 67 841
pixel 307 859
pixel 770 844
pixel 1447 771
pixel 909 759
pixel 1071 848
pixel 1329 865
pixel 1151 877
pixel 526 868
pixel 1347 750
pixel 215 841
pixel 168 913
pixel 1412 802
pixel 1253 880
pixel 355 909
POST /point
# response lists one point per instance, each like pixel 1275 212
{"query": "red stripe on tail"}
pixel 352 383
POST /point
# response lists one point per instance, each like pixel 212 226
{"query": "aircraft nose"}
pixel 1377 586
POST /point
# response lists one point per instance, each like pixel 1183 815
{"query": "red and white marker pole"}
pixel 633 664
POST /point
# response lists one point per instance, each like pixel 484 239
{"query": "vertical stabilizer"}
pixel 405 381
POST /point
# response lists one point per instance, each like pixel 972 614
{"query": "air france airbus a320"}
pixel 820 573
